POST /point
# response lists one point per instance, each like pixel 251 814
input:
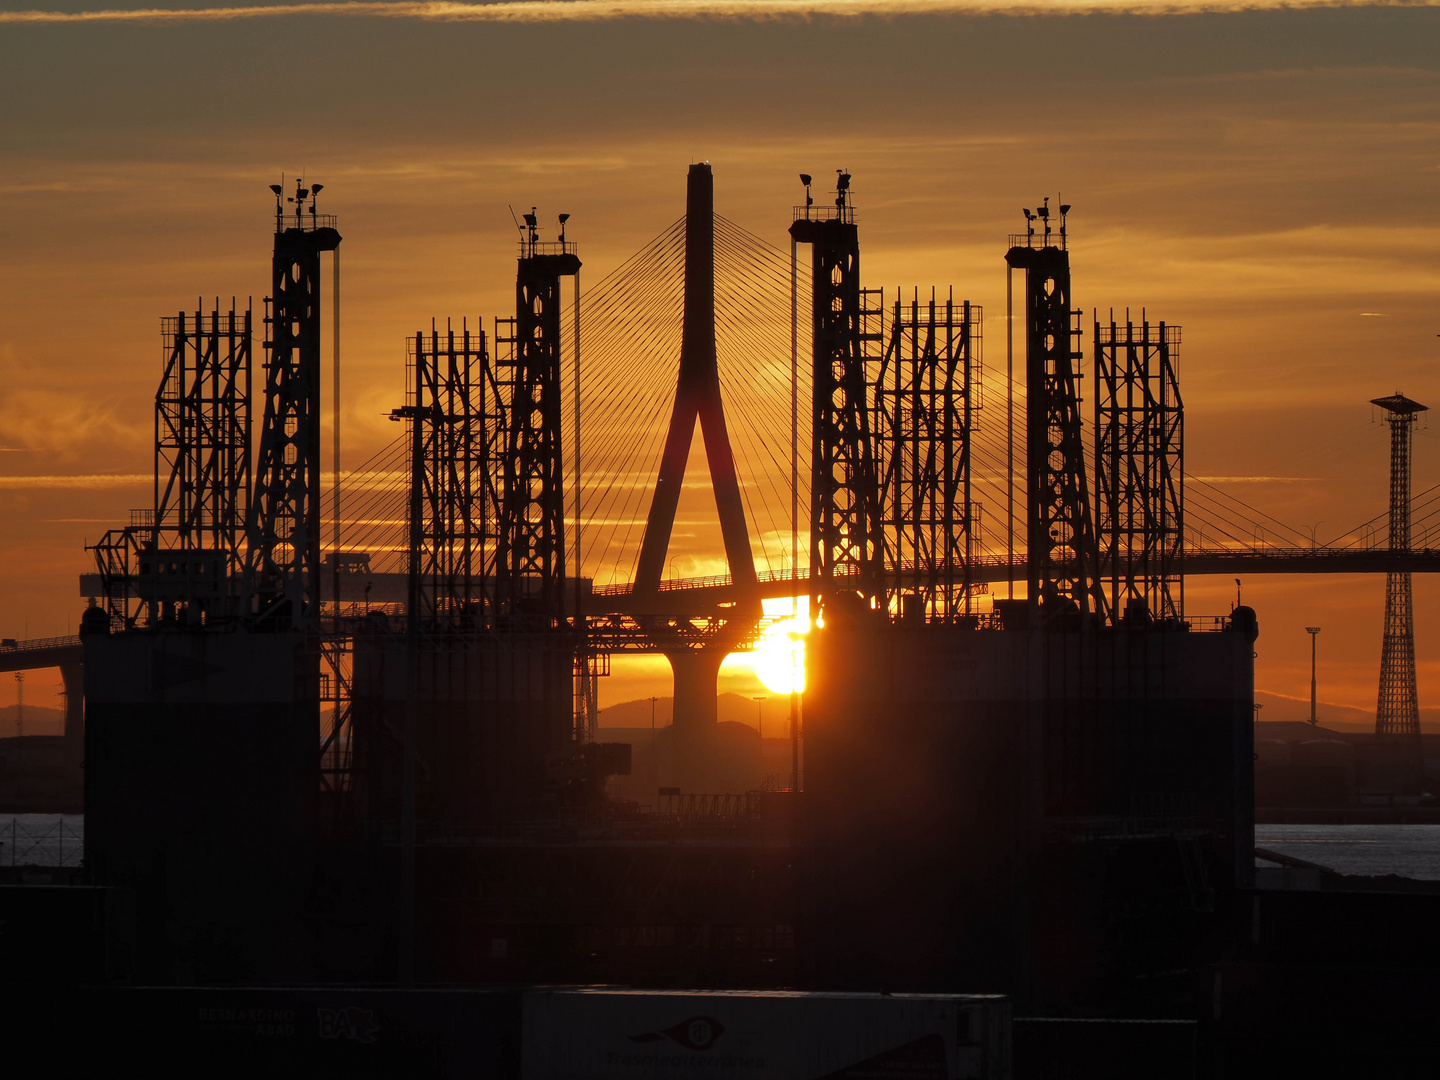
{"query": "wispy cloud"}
pixel 94 481
pixel 554 11
pixel 1256 479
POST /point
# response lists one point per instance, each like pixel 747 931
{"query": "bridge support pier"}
pixel 696 678
pixel 704 755
pixel 73 678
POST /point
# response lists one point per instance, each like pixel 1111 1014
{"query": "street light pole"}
pixel 1314 632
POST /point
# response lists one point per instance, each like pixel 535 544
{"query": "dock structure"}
pixel 395 732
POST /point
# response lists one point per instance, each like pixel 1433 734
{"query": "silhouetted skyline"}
pixel 1262 177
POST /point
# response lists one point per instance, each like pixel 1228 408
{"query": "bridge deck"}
pixel 689 596
pixel 28 655
pixel 681 595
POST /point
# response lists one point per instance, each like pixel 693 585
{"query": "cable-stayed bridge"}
pixel 622 393
pixel 860 449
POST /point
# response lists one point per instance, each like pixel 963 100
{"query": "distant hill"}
pixel 1299 729
pixel 732 707
pixel 1335 717
pixel 737 707
pixel 38 721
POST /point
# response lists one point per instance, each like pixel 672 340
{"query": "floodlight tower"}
pixel 1397 713
pixel 1314 632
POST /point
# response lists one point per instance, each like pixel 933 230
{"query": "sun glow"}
pixel 779 656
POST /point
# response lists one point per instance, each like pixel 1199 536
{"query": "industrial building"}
pixel 307 769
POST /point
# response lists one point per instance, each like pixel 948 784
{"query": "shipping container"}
pixel 647 1035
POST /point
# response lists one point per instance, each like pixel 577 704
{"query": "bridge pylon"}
pixel 697 399
pixel 696 664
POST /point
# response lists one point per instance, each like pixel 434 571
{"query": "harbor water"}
pixel 1411 851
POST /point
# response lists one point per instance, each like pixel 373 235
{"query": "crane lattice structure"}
pixel 282 569
pixel 1062 580
pixel 530 555
pixel 458 403
pixel 926 399
pixel 845 529
pixel 202 438
pixel 1139 469
pixel 183 553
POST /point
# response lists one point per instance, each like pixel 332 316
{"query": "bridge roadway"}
pixel 700 595
pixel 28 655
pixel 67 654
pixel 681 596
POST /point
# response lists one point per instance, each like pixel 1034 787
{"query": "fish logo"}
pixel 696 1033
pixel 352 1023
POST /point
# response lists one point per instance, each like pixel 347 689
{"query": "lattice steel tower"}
pixel 1139 470
pixel 282 567
pixel 1397 713
pixel 455 474
pixel 1062 580
pixel 845 530
pixel 530 547
pixel 925 401
pixel 180 555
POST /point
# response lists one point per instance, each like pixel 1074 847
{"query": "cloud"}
pixel 92 481
pixel 1255 479
pixel 556 11
pixel 59 423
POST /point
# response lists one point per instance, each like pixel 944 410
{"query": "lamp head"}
pixel 805 179
pixel 564 218
pixel 315 189
pixel 277 189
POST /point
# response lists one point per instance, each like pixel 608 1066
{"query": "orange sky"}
pixel 1267 179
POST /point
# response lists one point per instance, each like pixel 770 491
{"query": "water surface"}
pixel 1411 851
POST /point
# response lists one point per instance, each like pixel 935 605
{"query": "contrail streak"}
pixel 557 11
pixel 107 480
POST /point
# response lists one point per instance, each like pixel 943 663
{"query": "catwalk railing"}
pixel 11 645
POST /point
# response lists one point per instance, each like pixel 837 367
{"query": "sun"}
pixel 779 656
